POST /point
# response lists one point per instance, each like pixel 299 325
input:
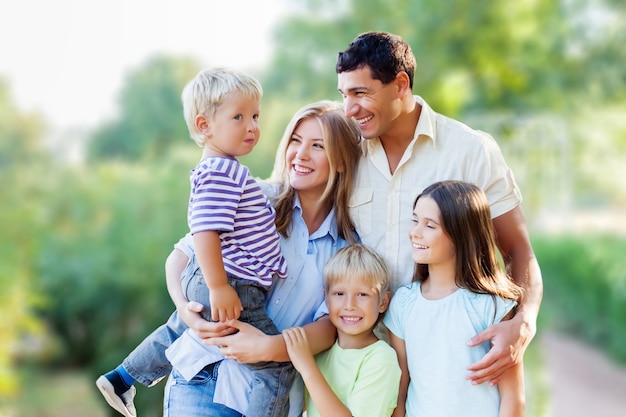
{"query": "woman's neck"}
pixel 314 212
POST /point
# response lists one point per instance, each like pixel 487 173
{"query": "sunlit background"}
pixel 94 158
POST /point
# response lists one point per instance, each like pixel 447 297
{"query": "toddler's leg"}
pixel 272 380
pixel 146 363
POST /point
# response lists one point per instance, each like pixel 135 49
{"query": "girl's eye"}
pixel 318 146
pixel 294 139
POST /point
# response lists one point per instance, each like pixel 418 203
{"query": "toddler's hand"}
pixel 225 303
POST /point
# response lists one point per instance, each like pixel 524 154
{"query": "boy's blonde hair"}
pixel 358 261
pixel 205 93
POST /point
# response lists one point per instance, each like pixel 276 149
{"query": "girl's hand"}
pixel 298 349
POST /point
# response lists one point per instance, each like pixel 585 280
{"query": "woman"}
pixel 310 188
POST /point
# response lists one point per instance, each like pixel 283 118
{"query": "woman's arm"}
pixel 325 399
pixel 250 345
pixel 399 346
pixel 189 311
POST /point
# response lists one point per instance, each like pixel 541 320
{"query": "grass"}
pixel 54 394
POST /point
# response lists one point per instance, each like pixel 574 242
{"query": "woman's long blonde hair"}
pixel 341 142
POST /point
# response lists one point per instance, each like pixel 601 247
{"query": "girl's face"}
pixel 431 244
pixel 307 159
pixel 234 129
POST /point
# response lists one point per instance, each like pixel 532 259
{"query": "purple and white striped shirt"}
pixel 226 198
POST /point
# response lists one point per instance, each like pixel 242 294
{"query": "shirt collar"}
pixel 426 126
pixel 328 227
pixel 427 123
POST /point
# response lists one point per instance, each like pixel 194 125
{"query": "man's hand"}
pixel 203 328
pixel 509 340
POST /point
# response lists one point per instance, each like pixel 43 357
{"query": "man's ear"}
pixel 384 303
pixel 203 125
pixel 403 84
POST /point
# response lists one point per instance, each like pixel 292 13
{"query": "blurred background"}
pixel 94 158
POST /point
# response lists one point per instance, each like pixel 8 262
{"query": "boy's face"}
pixel 372 104
pixel 234 129
pixel 353 308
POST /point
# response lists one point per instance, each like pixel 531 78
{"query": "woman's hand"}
pixel 248 345
pixel 203 328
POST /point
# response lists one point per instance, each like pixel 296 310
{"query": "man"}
pixel 407 147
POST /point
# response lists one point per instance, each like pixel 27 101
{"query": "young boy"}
pixel 359 375
pixel 235 239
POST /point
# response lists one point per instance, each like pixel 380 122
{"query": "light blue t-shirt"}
pixel 435 333
pixel 294 301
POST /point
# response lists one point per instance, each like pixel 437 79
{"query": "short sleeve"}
pixel 185 245
pixel 394 319
pixel 375 392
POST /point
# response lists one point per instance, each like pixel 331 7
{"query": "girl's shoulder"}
pixel 492 308
pixel 406 294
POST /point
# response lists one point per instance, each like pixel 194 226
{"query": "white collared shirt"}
pixel 381 203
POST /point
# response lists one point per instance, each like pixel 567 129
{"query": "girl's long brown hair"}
pixel 466 219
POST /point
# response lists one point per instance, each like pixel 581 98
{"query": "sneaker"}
pixel 123 403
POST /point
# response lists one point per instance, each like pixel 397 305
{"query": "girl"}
pixel 458 290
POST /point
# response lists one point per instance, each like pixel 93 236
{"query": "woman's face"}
pixel 306 158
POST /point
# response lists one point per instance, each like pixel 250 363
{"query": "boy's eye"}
pixel 238 117
pixel 255 117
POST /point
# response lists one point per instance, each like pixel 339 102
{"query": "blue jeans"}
pixel 272 380
pixel 147 362
pixel 177 401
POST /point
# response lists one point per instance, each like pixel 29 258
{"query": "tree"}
pixel 151 117
pixel 521 57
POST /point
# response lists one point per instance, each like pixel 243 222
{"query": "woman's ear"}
pixel 203 125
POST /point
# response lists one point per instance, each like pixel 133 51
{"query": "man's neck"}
pixel 397 139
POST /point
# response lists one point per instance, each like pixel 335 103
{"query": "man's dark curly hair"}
pixel 384 53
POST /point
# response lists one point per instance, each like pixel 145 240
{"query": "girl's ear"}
pixel 384 303
pixel 203 125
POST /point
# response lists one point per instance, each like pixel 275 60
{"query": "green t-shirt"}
pixel 365 380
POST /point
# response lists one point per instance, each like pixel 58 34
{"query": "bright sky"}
pixel 67 58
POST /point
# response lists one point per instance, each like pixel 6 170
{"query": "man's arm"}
pixel 510 339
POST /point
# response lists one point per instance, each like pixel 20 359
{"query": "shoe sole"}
pixel 108 392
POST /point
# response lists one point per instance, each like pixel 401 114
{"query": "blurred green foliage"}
pixel 82 246
pixel 585 286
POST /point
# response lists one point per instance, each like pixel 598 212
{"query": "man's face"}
pixel 372 104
